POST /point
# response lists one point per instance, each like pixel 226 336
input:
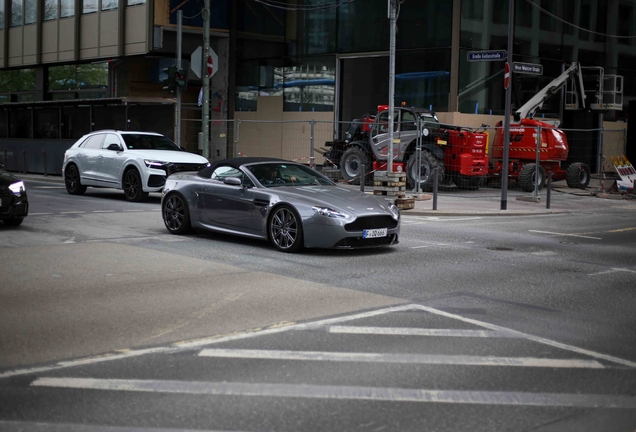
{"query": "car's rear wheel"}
pixel 13 221
pixel 72 180
pixel 175 213
pixel 285 229
pixel 133 189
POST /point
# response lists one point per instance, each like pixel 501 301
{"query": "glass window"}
pixel 30 7
pixel 20 123
pixel 111 139
pixel 50 9
pixel 547 22
pixel 225 171
pixel 316 32
pixel 93 142
pixel 62 77
pixel 423 24
pixel 310 85
pixel 109 4
pixel 16 13
pixel 625 23
pixel 1 15
pixel 46 123
pixel 67 8
pixel 408 121
pixel 363 26
pixel 135 2
pixel 422 78
pixel 89 6
pixel 92 76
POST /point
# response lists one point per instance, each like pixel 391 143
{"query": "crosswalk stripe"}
pixel 403 331
pixel 401 358
pixel 344 393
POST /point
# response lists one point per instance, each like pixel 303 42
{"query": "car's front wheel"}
pixel 285 229
pixel 175 213
pixel 72 180
pixel 13 221
pixel 133 189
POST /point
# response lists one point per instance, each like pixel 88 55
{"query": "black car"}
pixel 14 206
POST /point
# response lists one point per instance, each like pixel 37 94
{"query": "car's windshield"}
pixel 282 174
pixel 148 142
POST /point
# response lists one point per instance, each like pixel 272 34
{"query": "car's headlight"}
pixel 395 212
pixel 17 188
pixel 154 163
pixel 326 211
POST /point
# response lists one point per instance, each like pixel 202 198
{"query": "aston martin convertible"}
pixel 287 203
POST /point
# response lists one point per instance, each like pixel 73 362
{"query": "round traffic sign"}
pixel 210 65
pixel 507 75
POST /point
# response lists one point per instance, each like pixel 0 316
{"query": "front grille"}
pixel 5 196
pixel 359 242
pixel 172 168
pixel 371 222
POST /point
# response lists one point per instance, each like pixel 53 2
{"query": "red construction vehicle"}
pixel 458 154
pixel 553 145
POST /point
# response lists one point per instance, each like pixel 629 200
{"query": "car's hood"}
pixel 350 200
pixel 169 156
pixel 7 178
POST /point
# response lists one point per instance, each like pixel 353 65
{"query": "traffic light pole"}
pixel 206 81
pixel 178 89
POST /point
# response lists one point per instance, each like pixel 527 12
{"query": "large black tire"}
pixel 72 180
pixel 285 229
pixel 175 214
pixel 133 189
pixel 351 165
pixel 578 176
pixel 469 183
pixel 527 176
pixel 13 221
pixel 428 165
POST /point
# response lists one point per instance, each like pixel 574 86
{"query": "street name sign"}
pixel 527 68
pixel 487 55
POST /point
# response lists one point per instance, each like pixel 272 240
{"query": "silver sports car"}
pixel 287 203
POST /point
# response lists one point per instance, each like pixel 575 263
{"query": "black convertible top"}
pixel 235 163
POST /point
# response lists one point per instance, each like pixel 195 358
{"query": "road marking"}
pixel 420 247
pixel 39 214
pixel 613 270
pixel 134 210
pixel 400 358
pixel 103 211
pixel 403 331
pixel 530 337
pixel 73 212
pixel 17 426
pixel 568 235
pixel 621 230
pixel 344 393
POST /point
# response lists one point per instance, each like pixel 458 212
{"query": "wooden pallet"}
pixel 405 203
pixel 397 194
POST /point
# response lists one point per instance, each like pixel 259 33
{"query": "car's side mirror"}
pixel 233 181
pixel 114 147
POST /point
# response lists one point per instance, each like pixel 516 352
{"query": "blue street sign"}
pixel 527 68
pixel 487 55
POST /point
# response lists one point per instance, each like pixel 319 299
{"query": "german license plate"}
pixel 373 233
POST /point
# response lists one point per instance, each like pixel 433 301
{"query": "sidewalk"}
pixel 485 201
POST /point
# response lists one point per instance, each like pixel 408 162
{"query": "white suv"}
pixel 137 162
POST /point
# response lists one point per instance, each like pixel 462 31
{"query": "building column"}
pixel 454 67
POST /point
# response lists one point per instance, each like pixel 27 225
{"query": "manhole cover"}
pixel 499 248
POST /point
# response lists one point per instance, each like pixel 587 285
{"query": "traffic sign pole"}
pixel 206 82
pixel 507 76
pixel 506 144
pixel 178 89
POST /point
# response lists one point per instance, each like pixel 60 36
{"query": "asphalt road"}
pixel 107 322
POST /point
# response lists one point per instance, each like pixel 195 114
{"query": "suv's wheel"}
pixel 527 177
pixel 72 180
pixel 577 175
pixel 13 221
pixel 175 214
pixel 285 229
pixel 133 189
pixel 428 165
pixel 351 164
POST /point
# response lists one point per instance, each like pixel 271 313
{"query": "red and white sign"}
pixel 210 65
pixel 507 75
